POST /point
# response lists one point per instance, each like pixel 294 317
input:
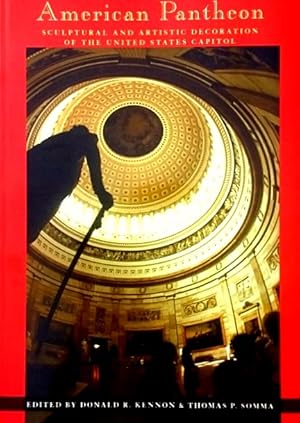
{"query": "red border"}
pixel 289 233
pixel 20 30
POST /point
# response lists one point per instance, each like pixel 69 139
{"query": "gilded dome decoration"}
pixel 180 173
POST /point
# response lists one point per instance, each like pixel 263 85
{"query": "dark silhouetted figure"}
pixel 271 323
pixel 53 171
pixel 190 373
pixel 160 381
pixel 240 378
pixel 71 367
pixel 110 373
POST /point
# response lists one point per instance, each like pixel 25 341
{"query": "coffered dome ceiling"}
pixel 185 181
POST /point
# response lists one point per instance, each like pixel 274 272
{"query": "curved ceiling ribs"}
pixel 229 149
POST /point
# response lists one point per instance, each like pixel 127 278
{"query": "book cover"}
pixel 194 108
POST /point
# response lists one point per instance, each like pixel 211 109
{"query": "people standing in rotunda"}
pixel 190 373
pixel 271 323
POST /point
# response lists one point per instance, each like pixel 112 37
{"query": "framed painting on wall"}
pixel 252 326
pixel 251 319
pixel 205 335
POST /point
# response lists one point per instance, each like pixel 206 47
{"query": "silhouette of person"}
pixel 190 375
pixel 53 171
pixel 160 380
pixel 240 378
pixel 271 323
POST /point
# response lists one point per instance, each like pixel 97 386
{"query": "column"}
pixel 172 327
pixel 263 292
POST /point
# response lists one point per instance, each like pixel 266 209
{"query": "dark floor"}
pixel 114 401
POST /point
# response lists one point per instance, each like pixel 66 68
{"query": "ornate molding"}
pixel 199 306
pixel 143 315
pixel 100 319
pixel 273 259
pixel 244 289
pixel 156 253
pixel 63 306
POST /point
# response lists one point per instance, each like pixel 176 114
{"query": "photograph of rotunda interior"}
pixel 175 294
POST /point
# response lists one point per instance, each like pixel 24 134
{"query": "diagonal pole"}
pixel 67 276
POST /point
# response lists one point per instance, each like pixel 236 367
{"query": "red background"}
pixel 19 30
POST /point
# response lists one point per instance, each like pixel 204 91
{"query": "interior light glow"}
pixel 147 227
